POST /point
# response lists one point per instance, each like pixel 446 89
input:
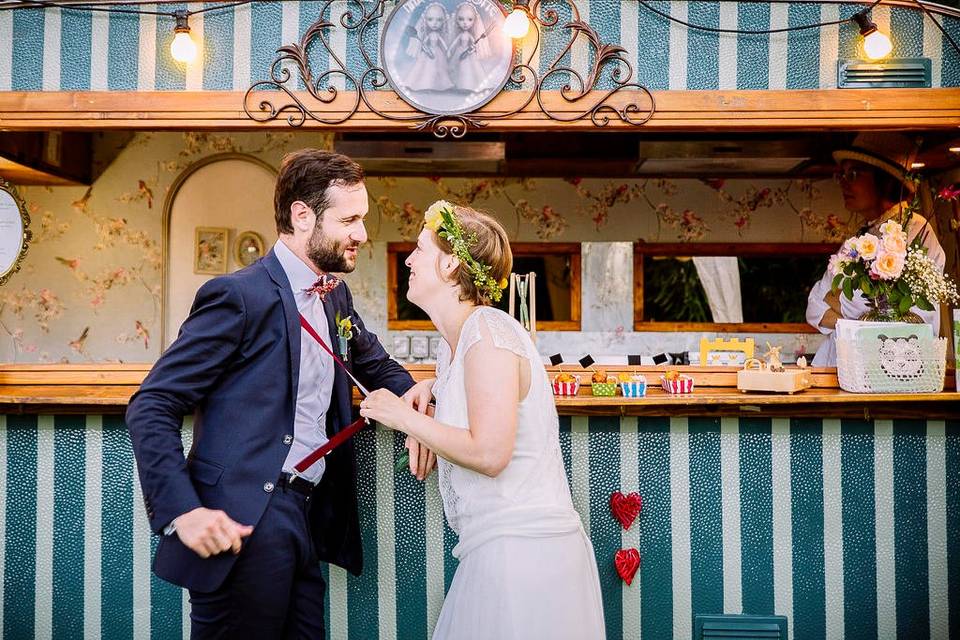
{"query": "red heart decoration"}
pixel 627 562
pixel 625 508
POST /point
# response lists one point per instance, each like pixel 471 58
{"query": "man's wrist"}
pixel 171 528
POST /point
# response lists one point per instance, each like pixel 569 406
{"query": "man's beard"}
pixel 327 254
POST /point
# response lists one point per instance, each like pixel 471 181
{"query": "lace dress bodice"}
pixel 530 497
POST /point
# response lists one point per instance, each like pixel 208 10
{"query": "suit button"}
pixel 268 487
pixel 288 439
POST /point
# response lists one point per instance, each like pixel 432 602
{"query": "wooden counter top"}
pixel 106 388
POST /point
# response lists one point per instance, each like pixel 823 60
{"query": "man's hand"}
pixel 207 532
pixel 422 460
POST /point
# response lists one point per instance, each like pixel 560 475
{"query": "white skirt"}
pixel 525 588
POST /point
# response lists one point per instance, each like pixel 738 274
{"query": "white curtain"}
pixel 720 277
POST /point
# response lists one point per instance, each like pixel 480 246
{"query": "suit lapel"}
pixel 291 315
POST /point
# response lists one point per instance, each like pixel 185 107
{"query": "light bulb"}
pixel 877 45
pixel 183 48
pixel 517 24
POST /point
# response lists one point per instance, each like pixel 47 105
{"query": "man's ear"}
pixel 301 216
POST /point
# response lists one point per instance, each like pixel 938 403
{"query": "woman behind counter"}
pixel 875 189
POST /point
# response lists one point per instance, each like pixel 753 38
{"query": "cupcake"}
pixel 565 384
pixel 634 386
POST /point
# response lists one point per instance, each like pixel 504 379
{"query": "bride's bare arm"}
pixel 492 381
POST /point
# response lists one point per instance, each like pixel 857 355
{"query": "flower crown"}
pixel 440 218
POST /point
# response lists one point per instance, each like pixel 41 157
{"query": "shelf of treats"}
pixel 106 388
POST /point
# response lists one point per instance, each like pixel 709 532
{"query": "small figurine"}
pixel 772 356
pixel 802 362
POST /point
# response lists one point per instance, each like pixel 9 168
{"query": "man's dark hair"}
pixel 306 175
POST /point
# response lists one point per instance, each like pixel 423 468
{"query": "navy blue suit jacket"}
pixel 236 365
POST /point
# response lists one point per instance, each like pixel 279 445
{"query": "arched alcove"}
pixel 226 191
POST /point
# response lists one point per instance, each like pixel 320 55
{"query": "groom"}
pixel 240 531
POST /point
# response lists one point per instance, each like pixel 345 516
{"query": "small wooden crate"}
pixel 755 377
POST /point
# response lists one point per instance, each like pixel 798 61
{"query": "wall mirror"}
pixel 14 230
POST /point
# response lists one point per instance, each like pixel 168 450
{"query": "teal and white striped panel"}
pixel 58 49
pixel 849 528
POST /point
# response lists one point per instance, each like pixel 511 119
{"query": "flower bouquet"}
pixel 892 275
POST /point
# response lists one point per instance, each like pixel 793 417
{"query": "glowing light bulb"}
pixel 877 45
pixel 517 24
pixel 183 48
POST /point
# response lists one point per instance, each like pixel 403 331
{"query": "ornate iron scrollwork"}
pixel 577 92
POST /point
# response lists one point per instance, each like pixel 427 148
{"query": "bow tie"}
pixel 323 286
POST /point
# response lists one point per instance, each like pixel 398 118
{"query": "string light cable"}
pixel 127 7
pixel 928 10
pixel 814 25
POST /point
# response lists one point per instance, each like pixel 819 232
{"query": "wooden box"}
pixel 756 377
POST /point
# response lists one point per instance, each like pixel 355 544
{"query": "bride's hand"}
pixel 419 395
pixel 386 408
pixel 421 460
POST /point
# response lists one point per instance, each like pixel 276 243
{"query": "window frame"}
pixel 642 249
pixel 571 250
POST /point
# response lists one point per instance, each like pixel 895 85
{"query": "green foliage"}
pixel 672 292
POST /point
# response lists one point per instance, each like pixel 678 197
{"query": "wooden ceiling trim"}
pixel 798 110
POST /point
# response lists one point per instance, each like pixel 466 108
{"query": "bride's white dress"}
pixel 527 568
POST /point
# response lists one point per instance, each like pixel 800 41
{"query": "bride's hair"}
pixel 491 248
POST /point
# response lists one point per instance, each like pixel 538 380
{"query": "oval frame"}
pixel 403 94
pixel 238 243
pixel 25 234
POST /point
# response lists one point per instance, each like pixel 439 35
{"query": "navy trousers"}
pixel 275 589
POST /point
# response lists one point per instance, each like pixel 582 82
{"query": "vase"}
pixel 880 310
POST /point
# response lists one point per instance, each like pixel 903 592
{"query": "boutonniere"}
pixel 345 331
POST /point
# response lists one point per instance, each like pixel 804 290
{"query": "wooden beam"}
pixel 716 110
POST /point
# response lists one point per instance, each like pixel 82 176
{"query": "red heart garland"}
pixel 627 562
pixel 625 508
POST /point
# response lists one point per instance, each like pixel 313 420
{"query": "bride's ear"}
pixel 448 264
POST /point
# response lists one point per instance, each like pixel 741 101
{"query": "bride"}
pixel 527 568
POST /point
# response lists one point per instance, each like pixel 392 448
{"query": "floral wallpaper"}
pixel 655 210
pixel 91 286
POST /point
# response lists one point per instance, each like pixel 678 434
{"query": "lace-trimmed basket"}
pixel 916 366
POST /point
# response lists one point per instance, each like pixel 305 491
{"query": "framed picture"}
pixel 210 250
pixel 446 57
pixel 248 248
pixel 14 234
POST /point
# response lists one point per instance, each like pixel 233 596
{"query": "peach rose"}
pixel 890 227
pixel 867 245
pixel 887 265
pixel 895 243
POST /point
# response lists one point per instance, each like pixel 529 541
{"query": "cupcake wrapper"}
pixel 683 385
pixel 604 388
pixel 566 388
pixel 633 389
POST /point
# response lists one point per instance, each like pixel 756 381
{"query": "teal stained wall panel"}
pixel 871 509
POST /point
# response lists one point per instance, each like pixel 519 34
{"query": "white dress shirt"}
pixel 315 386
pixel 852 309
